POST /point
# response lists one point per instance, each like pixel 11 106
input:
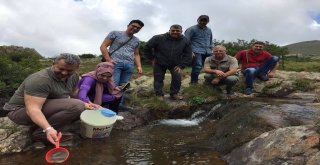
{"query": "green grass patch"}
pixel 198 94
pixel 298 66
pixel 304 84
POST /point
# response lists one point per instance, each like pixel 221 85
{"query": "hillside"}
pixel 308 48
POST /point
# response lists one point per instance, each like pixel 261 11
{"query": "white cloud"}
pixel 56 26
pixel 315 25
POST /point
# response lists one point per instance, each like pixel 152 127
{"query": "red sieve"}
pixel 57 154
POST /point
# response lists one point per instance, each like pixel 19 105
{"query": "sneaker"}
pixel 263 77
pixel 176 97
pixel 248 91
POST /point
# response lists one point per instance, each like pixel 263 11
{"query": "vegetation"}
pixel 16 64
pixel 304 84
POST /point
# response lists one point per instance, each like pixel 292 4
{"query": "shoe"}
pixel 123 108
pixel 176 97
pixel 160 97
pixel 263 77
pixel 248 91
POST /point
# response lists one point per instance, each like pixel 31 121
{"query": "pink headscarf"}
pixel 101 68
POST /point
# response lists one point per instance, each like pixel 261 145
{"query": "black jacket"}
pixel 169 51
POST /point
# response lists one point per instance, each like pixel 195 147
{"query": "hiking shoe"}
pixel 160 97
pixel 176 97
pixel 248 91
pixel 263 77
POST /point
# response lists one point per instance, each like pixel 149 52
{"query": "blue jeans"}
pixel 122 74
pixel 197 65
pixel 262 70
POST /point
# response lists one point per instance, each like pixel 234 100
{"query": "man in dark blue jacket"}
pixel 170 51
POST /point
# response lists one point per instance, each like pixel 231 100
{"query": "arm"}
pixel 186 55
pixel 33 109
pixel 104 49
pixel 84 87
pixel 148 49
pixel 207 68
pixel 137 60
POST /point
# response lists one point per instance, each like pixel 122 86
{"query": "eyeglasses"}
pixel 135 26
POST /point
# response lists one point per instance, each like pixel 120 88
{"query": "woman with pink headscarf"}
pixel 98 87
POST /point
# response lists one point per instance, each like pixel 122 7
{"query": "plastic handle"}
pixel 119 117
pixel 57 143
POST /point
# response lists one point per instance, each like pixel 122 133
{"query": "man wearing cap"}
pixel 200 37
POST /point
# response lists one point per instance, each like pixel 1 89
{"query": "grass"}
pixel 298 66
pixel 304 84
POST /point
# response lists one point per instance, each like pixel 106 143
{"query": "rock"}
pixel 276 147
pixel 236 123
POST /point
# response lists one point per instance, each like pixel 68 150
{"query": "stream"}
pixel 170 141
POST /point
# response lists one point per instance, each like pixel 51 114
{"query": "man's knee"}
pixel 76 105
pixel 250 72
pixel 275 58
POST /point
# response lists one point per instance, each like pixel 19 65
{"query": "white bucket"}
pixel 95 125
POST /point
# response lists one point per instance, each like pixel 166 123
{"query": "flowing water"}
pixel 163 142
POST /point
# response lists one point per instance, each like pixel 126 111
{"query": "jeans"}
pixel 197 65
pixel 122 74
pixel 262 70
pixel 159 72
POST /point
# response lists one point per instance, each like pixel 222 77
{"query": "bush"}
pixel 16 64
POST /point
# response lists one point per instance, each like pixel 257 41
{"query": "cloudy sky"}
pixel 79 26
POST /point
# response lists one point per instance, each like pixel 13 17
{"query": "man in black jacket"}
pixel 170 51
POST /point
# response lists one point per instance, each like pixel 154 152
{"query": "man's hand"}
pixel 220 73
pixel 177 69
pixel 139 69
pixel 110 60
pixel 53 136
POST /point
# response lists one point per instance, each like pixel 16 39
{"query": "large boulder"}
pixel 290 145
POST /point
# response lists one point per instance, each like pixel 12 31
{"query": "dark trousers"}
pixel 159 72
pixel 58 112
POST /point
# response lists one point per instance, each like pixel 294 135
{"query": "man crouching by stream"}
pixel 221 69
pixel 43 99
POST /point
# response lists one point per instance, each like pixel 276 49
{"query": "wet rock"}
pixel 291 145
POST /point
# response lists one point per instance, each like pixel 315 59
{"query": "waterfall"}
pixel 194 120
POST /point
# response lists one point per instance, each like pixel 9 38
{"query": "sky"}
pixel 52 27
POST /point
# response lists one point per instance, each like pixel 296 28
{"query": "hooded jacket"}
pixel 169 51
